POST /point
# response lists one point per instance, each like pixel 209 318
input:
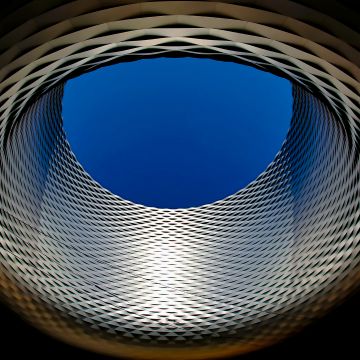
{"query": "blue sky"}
pixel 176 133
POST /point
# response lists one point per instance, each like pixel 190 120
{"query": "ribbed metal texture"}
pixel 116 277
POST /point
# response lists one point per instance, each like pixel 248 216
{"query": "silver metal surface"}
pixel 120 278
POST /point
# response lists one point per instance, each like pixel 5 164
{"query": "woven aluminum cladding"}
pixel 229 277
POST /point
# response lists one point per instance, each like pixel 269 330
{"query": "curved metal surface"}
pixel 116 277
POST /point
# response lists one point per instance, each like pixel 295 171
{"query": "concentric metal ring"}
pixel 116 277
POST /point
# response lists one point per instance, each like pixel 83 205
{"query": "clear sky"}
pixel 176 133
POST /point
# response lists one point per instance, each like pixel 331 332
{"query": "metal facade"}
pixel 229 277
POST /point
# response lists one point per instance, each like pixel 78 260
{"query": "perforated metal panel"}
pixel 116 277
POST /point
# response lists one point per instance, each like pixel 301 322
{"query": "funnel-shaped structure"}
pixel 120 278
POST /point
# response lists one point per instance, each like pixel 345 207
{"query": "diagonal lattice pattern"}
pixel 229 277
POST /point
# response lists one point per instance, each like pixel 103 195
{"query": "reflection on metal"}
pixel 116 277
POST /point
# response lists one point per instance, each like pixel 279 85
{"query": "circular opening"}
pixel 176 133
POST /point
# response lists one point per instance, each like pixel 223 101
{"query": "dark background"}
pixel 334 336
